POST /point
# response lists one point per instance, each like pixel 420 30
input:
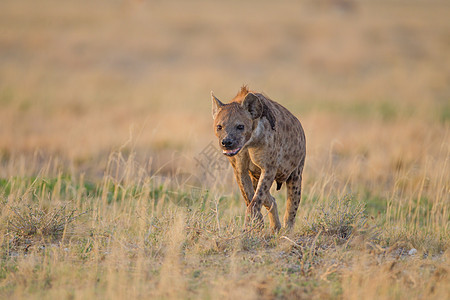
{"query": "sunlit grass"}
pixel 135 240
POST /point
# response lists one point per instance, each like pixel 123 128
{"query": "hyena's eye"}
pixel 240 127
pixel 219 127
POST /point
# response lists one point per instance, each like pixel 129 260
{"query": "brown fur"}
pixel 264 143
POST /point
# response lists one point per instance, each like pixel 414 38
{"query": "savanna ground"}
pixel 108 185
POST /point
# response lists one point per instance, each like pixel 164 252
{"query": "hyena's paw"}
pixel 253 218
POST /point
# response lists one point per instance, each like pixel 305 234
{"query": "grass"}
pixel 145 244
pixel 105 116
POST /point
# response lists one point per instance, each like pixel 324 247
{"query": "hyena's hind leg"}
pixel 294 194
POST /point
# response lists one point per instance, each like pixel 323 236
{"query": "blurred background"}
pixel 79 79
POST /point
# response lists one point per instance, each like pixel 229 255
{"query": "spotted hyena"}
pixel 264 143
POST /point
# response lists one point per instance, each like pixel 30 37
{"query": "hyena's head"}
pixel 234 122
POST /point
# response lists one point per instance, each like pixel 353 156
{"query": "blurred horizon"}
pixel 81 78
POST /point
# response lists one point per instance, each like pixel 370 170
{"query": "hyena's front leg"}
pixel 245 185
pixel 262 196
pixel 271 205
pixel 243 179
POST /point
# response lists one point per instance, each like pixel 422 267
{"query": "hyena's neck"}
pixel 258 134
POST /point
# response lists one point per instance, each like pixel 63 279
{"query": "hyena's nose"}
pixel 227 143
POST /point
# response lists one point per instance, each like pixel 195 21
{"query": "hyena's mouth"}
pixel 231 152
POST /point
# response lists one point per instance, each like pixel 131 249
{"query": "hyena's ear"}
pixel 253 105
pixel 216 105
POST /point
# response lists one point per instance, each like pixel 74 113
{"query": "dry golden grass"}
pixel 104 108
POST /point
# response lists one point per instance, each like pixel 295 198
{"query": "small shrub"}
pixel 29 221
pixel 339 218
